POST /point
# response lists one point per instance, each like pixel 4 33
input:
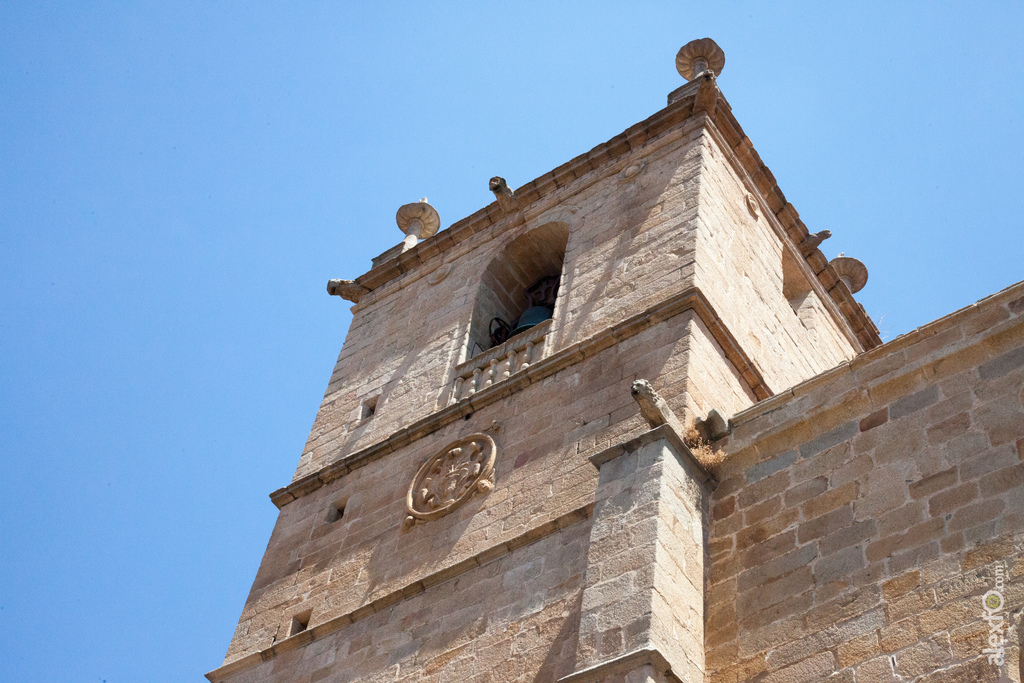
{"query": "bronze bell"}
pixel 530 317
pixel 541 297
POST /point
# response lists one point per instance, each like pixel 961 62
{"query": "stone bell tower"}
pixel 508 493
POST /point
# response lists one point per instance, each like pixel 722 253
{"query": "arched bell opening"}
pixel 519 287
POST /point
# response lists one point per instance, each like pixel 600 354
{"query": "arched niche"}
pixel 533 255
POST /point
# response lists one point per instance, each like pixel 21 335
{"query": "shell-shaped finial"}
pixel 697 56
pixel 418 221
pixel 851 271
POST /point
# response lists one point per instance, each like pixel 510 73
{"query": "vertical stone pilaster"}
pixel 643 602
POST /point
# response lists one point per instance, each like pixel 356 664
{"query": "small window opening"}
pixel 335 512
pixel 368 408
pixel 300 622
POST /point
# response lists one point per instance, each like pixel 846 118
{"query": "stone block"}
pixel 830 438
pixel 768 467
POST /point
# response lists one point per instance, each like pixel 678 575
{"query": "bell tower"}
pixel 503 481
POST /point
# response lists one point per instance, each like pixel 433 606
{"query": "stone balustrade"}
pixel 499 363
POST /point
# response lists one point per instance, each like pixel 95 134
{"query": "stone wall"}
pixel 513 618
pixel 546 431
pixel 646 560
pixel 616 262
pixel 669 216
pixel 740 270
pixel 862 515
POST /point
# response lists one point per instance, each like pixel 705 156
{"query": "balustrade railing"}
pixel 499 363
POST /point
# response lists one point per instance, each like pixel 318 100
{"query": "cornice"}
pixel 785 220
pixel 530 195
pixel 691 299
pixel 623 664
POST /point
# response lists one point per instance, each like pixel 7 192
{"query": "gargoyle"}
pixel 506 197
pixel 657 412
pixel 347 289
pixel 812 241
pixel 654 408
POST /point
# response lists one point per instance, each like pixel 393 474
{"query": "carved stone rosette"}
pixel 450 478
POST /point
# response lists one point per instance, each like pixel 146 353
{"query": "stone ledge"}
pixel 409 590
pixel 647 656
pixel 687 300
pixel 663 432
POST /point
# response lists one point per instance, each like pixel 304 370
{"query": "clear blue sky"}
pixel 179 181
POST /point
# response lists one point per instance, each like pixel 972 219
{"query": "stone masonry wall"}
pixel 862 515
pixel 740 270
pixel 546 433
pixel 646 558
pixel 627 249
pixel 511 619
pixel 711 383
pixel 638 239
pixel 633 242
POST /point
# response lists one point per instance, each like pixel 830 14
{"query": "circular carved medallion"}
pixel 451 477
pixel 439 274
pixel 632 171
pixel 752 206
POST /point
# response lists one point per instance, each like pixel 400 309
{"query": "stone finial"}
pixel 418 220
pixel 506 197
pixel 347 289
pixel 698 56
pixel 812 241
pixel 850 271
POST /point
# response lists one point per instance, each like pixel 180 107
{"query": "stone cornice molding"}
pixel 690 299
pixel 663 432
pixel 395 269
pixel 530 195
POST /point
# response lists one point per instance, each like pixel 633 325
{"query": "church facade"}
pixel 628 424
